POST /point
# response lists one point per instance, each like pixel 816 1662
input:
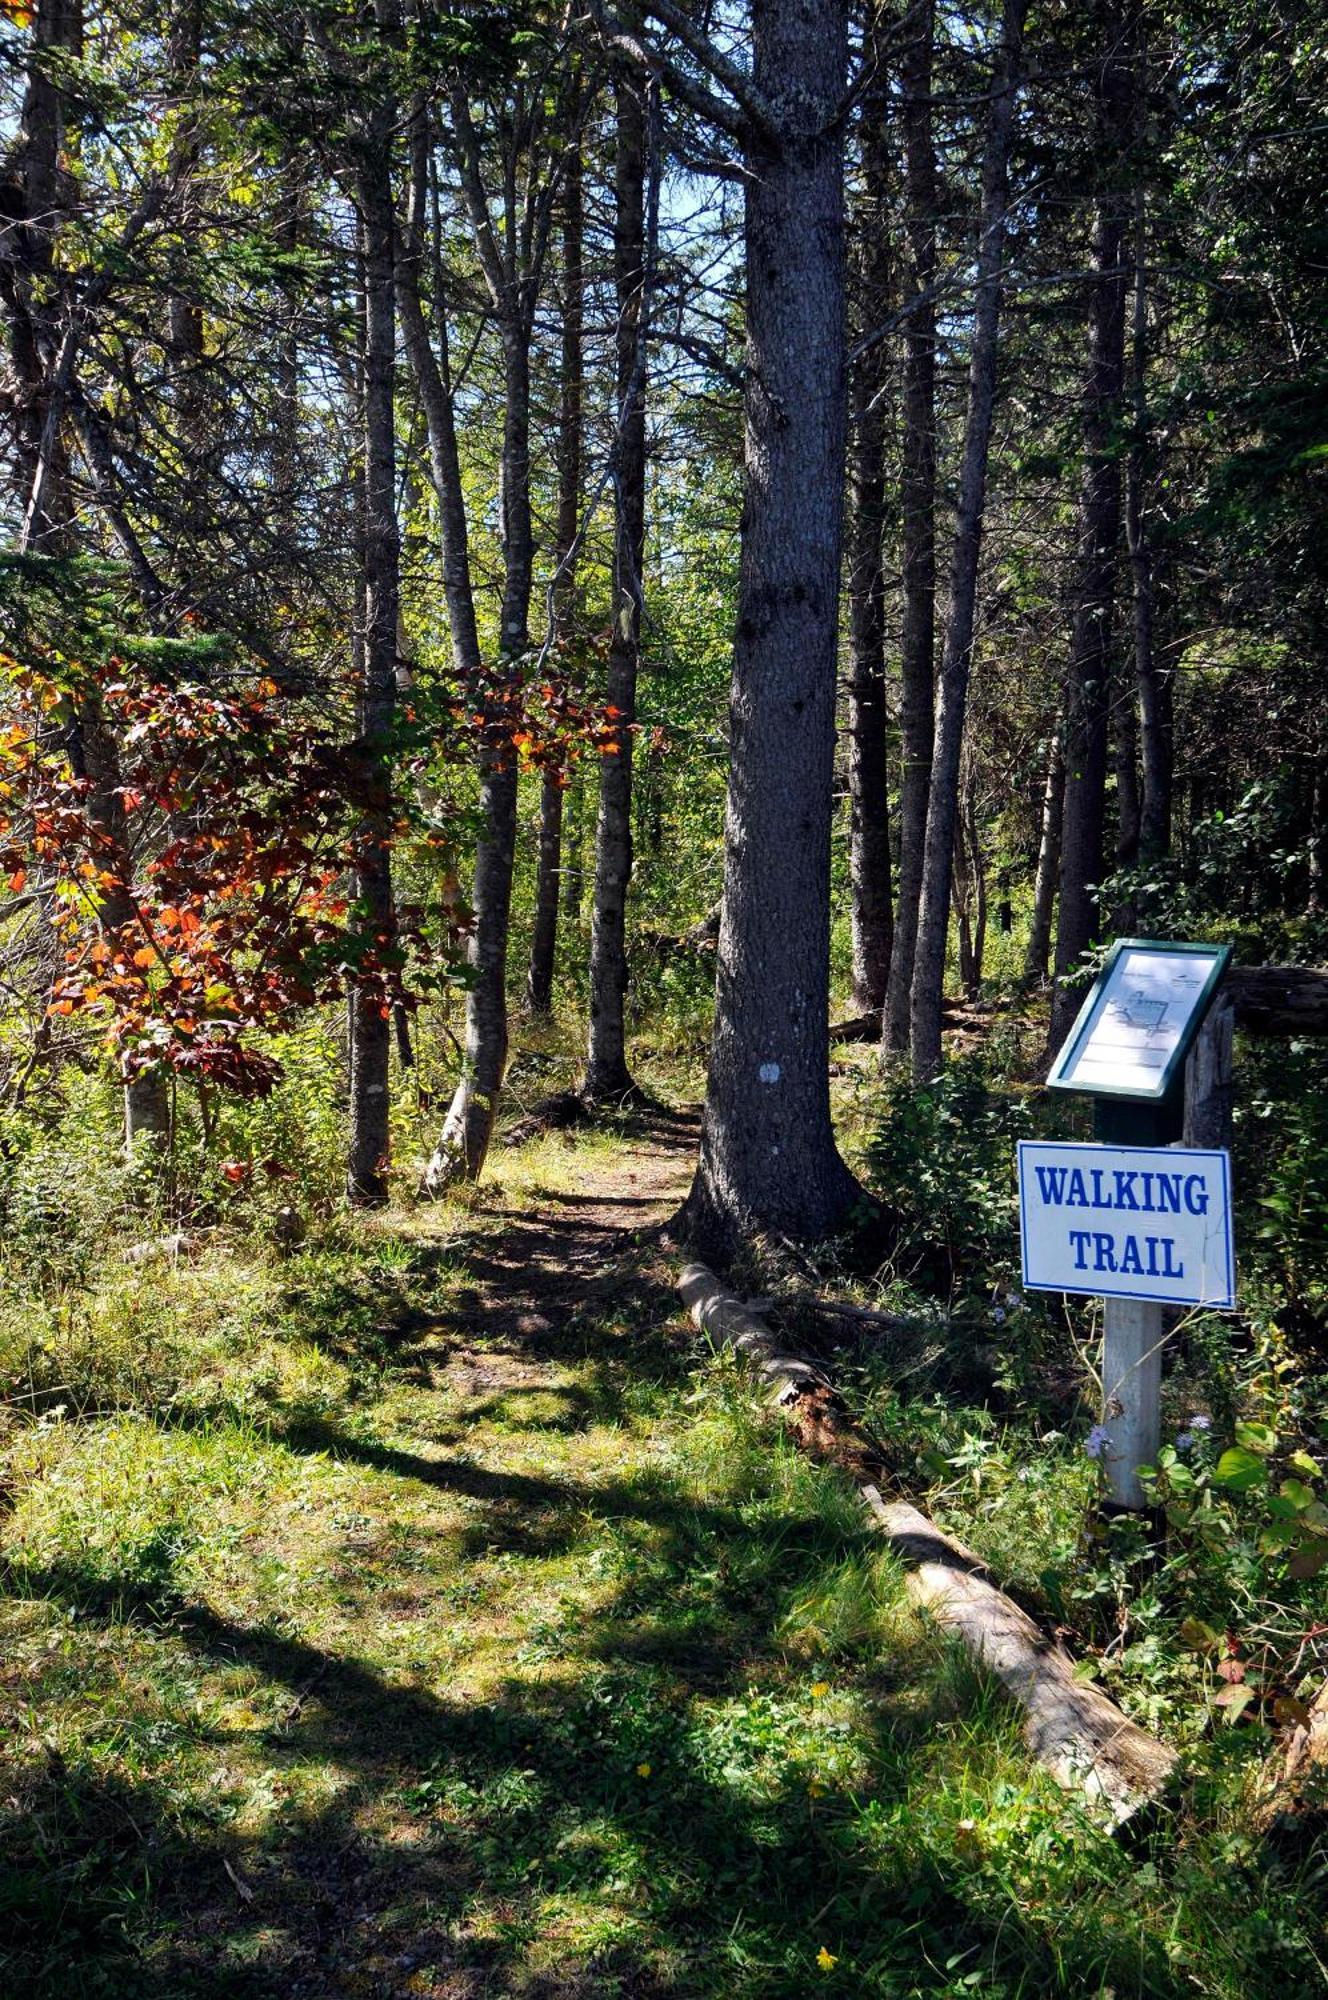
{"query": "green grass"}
pixel 366 1632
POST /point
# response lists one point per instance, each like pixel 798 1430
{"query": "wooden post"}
pixel 1131 1395
pixel 1209 1075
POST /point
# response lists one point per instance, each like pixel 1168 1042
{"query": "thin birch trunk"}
pixel 1048 860
pixel 942 810
pixel 608 1078
pixel 917 495
pixel 511 264
pixel 1153 686
pixel 871 913
pixel 370 1010
pixel 544 938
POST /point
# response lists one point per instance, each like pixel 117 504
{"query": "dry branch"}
pixel 1072 1727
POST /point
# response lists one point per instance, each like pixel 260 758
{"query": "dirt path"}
pixel 542 1264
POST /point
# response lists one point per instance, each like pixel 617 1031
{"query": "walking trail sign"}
pixel 1127 1222
pixel 1132 1218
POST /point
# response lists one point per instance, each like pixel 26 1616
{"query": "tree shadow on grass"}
pixel 464 1832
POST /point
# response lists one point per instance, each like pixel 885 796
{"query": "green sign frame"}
pixel 1062 1073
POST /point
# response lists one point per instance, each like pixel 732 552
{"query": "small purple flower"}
pixel 1095 1444
pixel 1200 1423
pixel 998 1314
pixel 1185 1440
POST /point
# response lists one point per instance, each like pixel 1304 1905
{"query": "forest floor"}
pixel 422 1614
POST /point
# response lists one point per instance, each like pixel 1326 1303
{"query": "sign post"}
pixel 1142 1226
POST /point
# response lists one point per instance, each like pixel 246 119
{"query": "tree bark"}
pixel 1088 681
pixel 917 495
pixel 768 1155
pixel 871 913
pixel 548 873
pixel 607 1077
pixel 370 1009
pixel 942 808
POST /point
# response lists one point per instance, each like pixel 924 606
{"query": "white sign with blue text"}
pixel 1127 1222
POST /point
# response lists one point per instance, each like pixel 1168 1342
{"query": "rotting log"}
pixel 1074 1730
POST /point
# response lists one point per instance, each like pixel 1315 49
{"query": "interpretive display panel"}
pixel 1138 1022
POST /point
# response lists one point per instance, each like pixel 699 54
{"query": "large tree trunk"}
pixel 548 873
pixel 868 773
pixel 433 383
pixel 768 1155
pixel 917 494
pixel 608 1078
pixel 942 810
pixel 1088 682
pixel 370 1019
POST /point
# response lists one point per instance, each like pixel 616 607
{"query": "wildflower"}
pixel 1185 1440
pixel 1095 1444
pixel 826 1960
pixel 998 1314
pixel 1200 1422
pixel 643 1770
pixel 820 1689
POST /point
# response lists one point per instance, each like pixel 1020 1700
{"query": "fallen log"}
pixel 1279 999
pixel 954 1014
pixel 1075 1730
